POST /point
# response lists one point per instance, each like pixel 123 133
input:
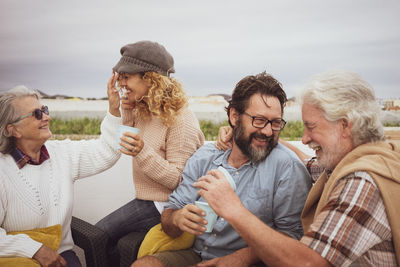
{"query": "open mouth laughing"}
pixel 314 146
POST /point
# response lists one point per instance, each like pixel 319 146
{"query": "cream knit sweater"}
pixel 157 169
pixel 38 196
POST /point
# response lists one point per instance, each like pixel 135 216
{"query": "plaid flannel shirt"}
pixel 21 159
pixel 353 226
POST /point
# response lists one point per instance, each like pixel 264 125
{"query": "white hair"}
pixel 345 95
pixel 9 115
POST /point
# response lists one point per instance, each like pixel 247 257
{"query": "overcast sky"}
pixel 69 47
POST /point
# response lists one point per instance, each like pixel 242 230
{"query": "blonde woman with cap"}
pixel 169 134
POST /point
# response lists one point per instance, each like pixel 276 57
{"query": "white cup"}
pixel 228 177
pixel 121 130
pixel 211 216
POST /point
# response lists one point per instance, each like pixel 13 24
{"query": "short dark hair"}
pixel 262 83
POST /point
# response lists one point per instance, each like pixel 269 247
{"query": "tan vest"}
pixel 382 161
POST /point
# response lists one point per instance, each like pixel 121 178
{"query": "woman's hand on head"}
pixel 224 141
pixel 131 144
pixel 113 95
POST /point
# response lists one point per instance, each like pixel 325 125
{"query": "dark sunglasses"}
pixel 38 113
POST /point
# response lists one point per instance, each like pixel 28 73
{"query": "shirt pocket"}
pixel 258 193
pixel 259 203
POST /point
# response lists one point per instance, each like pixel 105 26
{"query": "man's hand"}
pixel 219 194
pixel 49 258
pixel 224 141
pixel 189 219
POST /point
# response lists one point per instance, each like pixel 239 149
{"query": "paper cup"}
pixel 121 130
pixel 211 216
pixel 228 177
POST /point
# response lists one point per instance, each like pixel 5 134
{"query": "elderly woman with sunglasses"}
pixel 37 176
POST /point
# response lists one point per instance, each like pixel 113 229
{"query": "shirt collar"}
pixel 222 160
pixel 21 159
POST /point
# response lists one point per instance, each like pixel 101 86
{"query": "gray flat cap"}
pixel 145 56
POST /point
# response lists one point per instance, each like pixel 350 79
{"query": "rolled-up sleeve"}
pixel 289 198
pixel 195 167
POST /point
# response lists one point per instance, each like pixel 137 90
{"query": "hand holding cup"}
pixel 211 215
pixel 190 219
pixel 219 194
pixel 129 141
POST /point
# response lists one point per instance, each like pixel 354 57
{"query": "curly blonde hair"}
pixel 164 100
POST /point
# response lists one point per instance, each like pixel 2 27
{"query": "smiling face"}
pixel 256 144
pixel 136 87
pixel 30 129
pixel 330 140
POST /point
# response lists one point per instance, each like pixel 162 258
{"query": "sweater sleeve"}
pixel 100 154
pixel 14 245
pixel 89 157
pixel 182 140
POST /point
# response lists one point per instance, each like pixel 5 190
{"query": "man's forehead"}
pixel 264 103
pixel 258 97
pixel 311 114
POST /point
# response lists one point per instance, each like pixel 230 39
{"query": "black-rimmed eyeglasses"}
pixel 261 122
pixel 37 113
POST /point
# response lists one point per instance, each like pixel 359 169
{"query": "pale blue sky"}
pixel 69 47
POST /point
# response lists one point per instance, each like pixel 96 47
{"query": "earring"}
pixel 139 99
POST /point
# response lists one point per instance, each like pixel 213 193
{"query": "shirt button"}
pixel 214 235
pixel 236 173
pixel 222 219
pixel 205 247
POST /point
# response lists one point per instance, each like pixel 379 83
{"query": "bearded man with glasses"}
pixel 270 180
pixel 37 178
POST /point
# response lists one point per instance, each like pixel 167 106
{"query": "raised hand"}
pixel 224 141
pixel 113 95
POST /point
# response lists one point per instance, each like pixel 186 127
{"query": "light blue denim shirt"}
pixel 275 190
